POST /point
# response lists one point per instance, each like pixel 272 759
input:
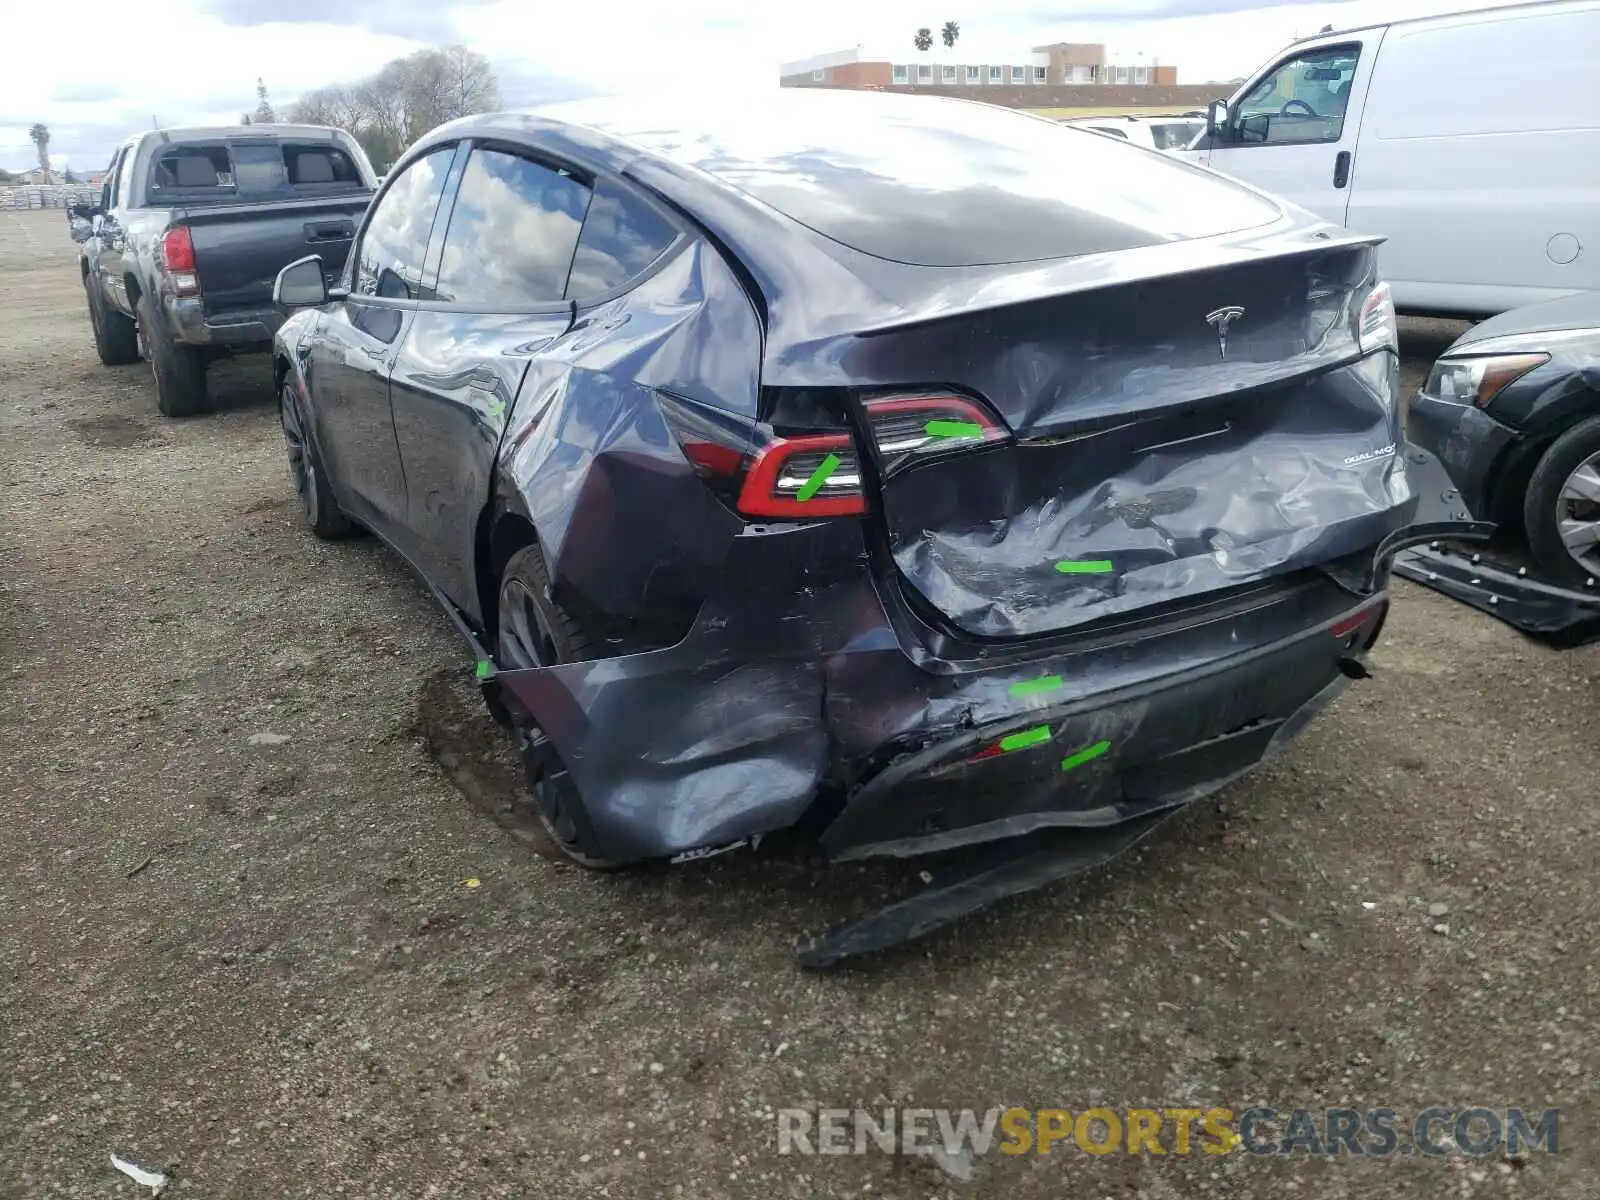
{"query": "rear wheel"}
pixel 1561 511
pixel 116 340
pixel 179 370
pixel 321 511
pixel 534 631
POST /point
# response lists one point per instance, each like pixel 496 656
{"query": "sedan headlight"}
pixel 1479 380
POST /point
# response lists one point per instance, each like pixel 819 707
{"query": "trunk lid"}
pixel 1169 437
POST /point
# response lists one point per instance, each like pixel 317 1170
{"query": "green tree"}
pixel 949 34
pixel 924 39
pixel 263 114
pixel 39 135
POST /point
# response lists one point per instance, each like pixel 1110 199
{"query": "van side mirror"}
pixel 301 285
pixel 1218 117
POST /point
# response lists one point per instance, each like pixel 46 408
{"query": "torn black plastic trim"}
pixel 1562 617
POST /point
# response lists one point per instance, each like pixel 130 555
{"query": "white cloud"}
pixel 177 63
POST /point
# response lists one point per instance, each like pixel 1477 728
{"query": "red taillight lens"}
pixel 803 477
pixel 177 257
pixel 177 249
pixel 908 427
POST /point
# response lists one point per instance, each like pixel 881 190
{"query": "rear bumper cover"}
pixel 1513 593
pixel 244 328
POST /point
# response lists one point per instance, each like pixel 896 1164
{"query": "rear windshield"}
pixel 936 182
pixel 251 170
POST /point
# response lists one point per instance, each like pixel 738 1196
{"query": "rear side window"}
pixel 512 233
pixel 394 245
pixel 622 236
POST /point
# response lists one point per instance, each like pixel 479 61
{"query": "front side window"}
pixel 394 245
pixel 1302 100
pixel 512 233
pixel 108 188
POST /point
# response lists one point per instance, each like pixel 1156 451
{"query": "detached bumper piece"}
pixel 1509 589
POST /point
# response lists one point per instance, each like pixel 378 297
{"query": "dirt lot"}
pixel 259 962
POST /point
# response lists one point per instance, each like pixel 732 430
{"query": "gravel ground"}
pixel 266 925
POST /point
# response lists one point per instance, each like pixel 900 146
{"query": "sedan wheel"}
pixel 1578 515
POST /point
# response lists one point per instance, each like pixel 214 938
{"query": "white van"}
pixel 1470 141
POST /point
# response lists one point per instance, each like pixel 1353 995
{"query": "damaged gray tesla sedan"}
pixel 938 478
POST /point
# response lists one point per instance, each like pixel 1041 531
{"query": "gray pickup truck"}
pixel 192 226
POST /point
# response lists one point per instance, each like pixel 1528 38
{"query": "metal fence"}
pixel 51 195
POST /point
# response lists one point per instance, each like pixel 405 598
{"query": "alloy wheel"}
pixel 524 642
pixel 1578 515
pixel 300 464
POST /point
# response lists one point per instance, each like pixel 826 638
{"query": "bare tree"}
pixel 404 100
pixel 39 135
pixel 949 34
pixel 924 39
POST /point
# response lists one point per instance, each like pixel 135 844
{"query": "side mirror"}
pixel 301 285
pixel 84 210
pixel 1218 117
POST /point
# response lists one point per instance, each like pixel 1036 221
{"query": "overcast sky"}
pixel 96 70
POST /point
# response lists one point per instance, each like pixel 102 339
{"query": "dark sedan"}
pixel 1512 409
pixel 917 472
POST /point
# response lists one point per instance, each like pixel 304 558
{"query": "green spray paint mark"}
pixel 1086 566
pixel 818 477
pixel 954 429
pixel 485 669
pixel 1084 755
pixel 496 407
pixel 1028 737
pixel 1032 687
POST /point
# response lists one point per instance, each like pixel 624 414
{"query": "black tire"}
pixel 534 631
pixel 321 511
pixel 116 338
pixel 1544 507
pixel 179 370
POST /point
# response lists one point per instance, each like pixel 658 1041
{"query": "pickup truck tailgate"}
pixel 240 248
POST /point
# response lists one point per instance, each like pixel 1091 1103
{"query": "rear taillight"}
pixel 177 259
pixel 817 476
pixel 1378 329
pixel 904 428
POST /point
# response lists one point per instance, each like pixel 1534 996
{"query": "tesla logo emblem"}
pixel 1220 320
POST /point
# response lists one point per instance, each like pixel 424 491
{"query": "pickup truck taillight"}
pixel 177 258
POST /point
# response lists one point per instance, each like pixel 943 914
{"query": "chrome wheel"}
pixel 1578 515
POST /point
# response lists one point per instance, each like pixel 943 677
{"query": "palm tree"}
pixel 39 135
pixel 949 34
pixel 924 39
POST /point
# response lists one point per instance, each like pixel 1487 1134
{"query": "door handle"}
pixel 329 231
pixel 1341 169
pixel 371 352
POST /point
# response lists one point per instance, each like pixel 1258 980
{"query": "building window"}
pixel 997 74
pixel 947 74
pixel 974 74
pixel 901 74
pixel 1122 74
pixel 924 73
pixel 819 76
pixel 1019 75
pixel 1141 75
pixel 1041 74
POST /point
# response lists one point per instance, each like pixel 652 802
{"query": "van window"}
pixel 1302 100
